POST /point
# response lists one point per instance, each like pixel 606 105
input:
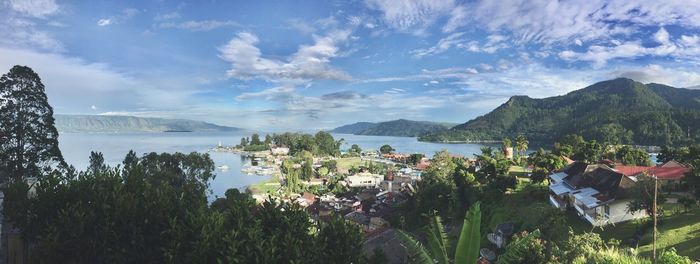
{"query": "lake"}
pixel 76 149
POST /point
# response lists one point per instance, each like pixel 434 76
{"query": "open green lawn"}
pixel 519 171
pixel 681 231
pixel 344 164
pixel 270 185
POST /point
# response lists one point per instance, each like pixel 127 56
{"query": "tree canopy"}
pixel 28 137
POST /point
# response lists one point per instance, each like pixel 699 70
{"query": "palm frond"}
pixel 470 237
pixel 437 240
pixel 416 251
pixel 517 248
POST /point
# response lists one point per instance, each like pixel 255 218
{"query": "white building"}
pixel 280 151
pixel 598 193
pixel 364 180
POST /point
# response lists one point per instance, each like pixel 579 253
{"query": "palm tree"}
pixel 467 250
pixel 521 145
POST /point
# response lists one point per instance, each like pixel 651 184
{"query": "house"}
pixel 423 164
pixel 364 179
pixel 280 151
pixel 598 193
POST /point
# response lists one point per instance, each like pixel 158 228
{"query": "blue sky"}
pixel 297 65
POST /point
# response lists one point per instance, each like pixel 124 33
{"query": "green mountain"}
pixel 396 128
pixel 619 110
pixel 353 128
pixel 99 123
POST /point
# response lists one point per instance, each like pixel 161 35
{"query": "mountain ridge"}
pixel 398 128
pixel 619 110
pixel 109 123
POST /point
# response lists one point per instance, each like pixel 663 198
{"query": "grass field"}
pixel 681 231
pixel 270 185
pixel 344 164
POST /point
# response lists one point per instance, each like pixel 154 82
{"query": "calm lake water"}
pixel 76 149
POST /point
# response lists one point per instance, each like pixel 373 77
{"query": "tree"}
pixel 255 139
pixel 642 194
pixel 378 257
pixel 415 158
pixel 506 143
pixel 30 147
pixel 97 162
pixel 544 163
pixel 307 169
pixel 386 149
pixel 525 248
pixel 355 149
pixel 521 144
pixel 339 242
pixel 630 156
pixel 687 203
pixel 327 145
pixel 268 139
pixel 467 250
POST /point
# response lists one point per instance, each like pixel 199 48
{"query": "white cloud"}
pixel 493 43
pixel 662 36
pixel 167 16
pixel 17 32
pixel 458 17
pixel 35 8
pixel 686 48
pixel 444 44
pixel 654 73
pixel 70 80
pixel 280 94
pixel 411 15
pixel 309 62
pixel 203 25
pixel 575 21
pixel 104 22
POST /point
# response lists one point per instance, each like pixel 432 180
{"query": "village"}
pixel 367 187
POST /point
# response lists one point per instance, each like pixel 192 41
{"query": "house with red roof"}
pixel 669 174
pixel 600 193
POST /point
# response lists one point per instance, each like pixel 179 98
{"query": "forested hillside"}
pixel 614 111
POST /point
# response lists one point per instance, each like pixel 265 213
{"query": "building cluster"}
pixel 599 193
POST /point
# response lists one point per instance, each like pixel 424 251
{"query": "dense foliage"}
pixel 154 209
pixel 619 111
pixel 320 144
pixel 28 138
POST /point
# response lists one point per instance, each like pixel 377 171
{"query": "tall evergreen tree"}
pixel 30 144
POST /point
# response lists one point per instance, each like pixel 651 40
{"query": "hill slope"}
pixel 396 128
pixel 97 123
pixel 353 128
pixel 619 110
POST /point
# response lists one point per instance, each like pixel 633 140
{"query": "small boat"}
pixel 250 169
pixel 223 167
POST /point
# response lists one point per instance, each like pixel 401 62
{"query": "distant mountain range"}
pixel 103 123
pixel 397 128
pixel 619 110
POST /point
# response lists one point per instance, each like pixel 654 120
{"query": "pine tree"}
pixel 29 145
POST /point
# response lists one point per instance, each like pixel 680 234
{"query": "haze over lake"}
pixel 76 149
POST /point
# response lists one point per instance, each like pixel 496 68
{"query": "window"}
pixel 607 211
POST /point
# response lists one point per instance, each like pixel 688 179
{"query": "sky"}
pixel 303 65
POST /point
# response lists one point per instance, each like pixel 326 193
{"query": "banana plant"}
pixel 467 250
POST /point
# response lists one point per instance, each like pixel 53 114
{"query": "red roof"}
pixel 567 159
pixel 668 173
pixel 631 170
pixel 422 165
pixel 671 170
